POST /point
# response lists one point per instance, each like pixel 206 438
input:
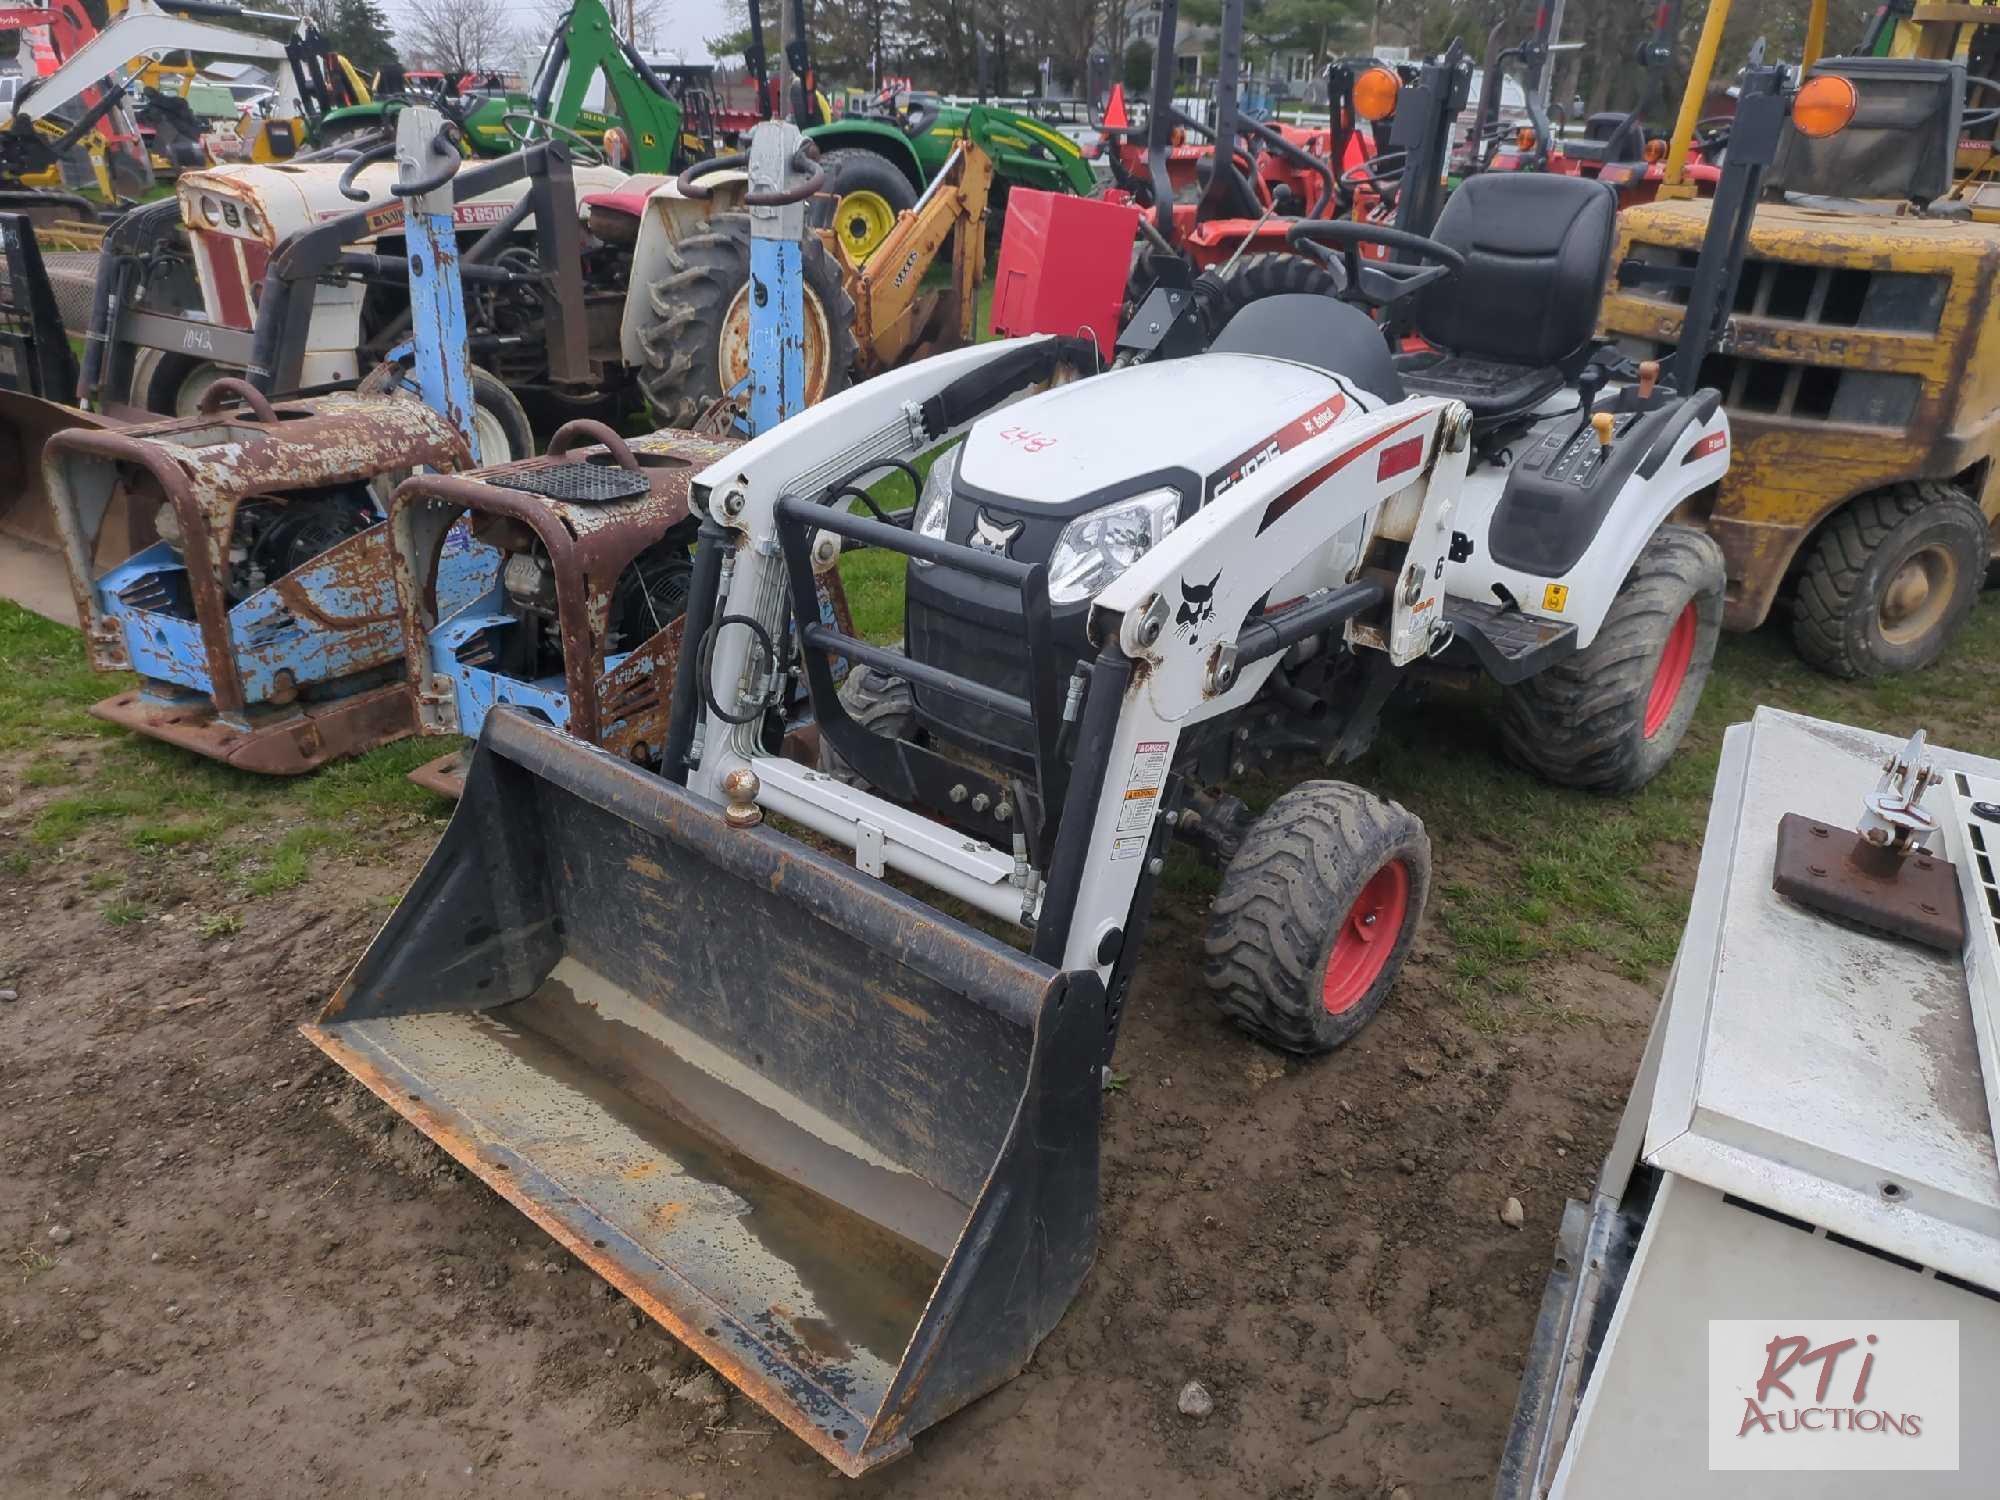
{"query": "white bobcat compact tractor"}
pixel 839 1141
pixel 699 1024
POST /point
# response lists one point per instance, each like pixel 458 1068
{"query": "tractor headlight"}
pixel 934 505
pixel 1094 549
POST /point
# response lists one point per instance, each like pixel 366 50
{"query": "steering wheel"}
pixel 580 145
pixel 1375 283
pixel 1712 133
pixel 1973 118
pixel 1386 184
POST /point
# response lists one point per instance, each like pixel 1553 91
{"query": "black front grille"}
pixel 993 656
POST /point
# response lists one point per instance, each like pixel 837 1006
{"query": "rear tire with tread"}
pixel 1270 274
pixel 1837 611
pixel 1582 723
pixel 1285 900
pixel 681 340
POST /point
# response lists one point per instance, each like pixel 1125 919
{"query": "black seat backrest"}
pixel 1537 250
pixel 1310 329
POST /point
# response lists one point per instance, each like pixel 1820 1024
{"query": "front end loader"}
pixel 837 1138
pixel 840 1143
pixel 35 391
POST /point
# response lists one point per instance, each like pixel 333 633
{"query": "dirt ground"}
pixel 231 1271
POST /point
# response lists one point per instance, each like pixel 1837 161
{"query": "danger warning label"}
pixel 1142 798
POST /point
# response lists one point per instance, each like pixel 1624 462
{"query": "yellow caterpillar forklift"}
pixel 1861 363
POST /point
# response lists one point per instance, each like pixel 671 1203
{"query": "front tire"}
pixel 505 433
pixel 869 192
pixel 1610 717
pixel 1890 581
pixel 695 341
pixel 1316 915
pixel 879 703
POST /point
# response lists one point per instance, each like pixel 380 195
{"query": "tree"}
pixel 646 24
pixel 1138 74
pixel 462 36
pixel 357 29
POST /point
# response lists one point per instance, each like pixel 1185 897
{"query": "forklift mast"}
pixel 1425 114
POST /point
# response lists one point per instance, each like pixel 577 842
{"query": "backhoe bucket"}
pixel 841 1145
pixel 32 570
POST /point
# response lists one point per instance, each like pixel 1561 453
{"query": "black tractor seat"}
pixel 1514 327
pixel 1612 136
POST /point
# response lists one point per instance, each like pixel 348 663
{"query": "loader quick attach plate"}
pixel 583 483
pixel 1835 870
pixel 842 1146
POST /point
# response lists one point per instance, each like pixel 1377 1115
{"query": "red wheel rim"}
pixel 1366 938
pixel 1671 673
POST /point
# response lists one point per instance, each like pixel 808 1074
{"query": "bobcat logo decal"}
pixel 1197 604
pixel 993 536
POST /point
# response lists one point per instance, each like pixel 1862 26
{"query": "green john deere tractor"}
pixel 879 162
pixel 664 122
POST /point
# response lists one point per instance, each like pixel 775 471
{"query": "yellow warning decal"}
pixel 1554 597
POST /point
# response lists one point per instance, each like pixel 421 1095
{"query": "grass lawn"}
pixel 1526 875
pixel 163 803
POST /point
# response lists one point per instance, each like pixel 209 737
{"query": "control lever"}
pixel 1589 381
pixel 1602 422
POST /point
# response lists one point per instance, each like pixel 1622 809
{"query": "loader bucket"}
pixel 841 1145
pixel 32 570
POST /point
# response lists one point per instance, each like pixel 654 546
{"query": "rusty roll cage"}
pixel 589 548
pixel 306 444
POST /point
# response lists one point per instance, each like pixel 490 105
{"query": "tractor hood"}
pixel 1069 449
pixel 268 203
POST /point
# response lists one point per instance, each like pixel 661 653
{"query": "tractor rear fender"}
pixel 670 217
pixel 353 117
pixel 871 135
pixel 1568 568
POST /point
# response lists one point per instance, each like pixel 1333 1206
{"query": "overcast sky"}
pixel 690 23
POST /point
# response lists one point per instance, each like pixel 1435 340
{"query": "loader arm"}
pixel 588 44
pixel 1165 665
pixel 892 312
pixel 143 30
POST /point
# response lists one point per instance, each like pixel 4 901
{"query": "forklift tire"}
pixel 1315 916
pixel 1271 274
pixel 1610 717
pixel 868 192
pixel 878 702
pixel 1890 580
pixel 694 343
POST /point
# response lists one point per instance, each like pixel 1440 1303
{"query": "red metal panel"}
pixel 232 288
pixel 1063 264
